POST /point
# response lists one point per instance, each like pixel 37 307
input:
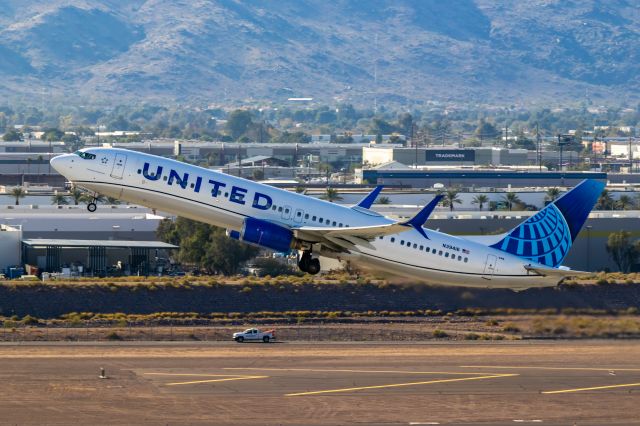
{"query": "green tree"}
pixel 331 195
pixel 52 135
pixel 113 201
pixel 624 202
pixel 76 195
pixel 606 201
pixel 383 200
pixel 511 198
pixel 206 246
pixel 480 200
pixel 12 136
pixel 238 123
pixel 59 199
pixel 450 198
pixel 18 192
pixel 621 250
pixel 486 130
pixel 552 194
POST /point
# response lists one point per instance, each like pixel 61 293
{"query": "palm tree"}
pixel 511 198
pixel 59 199
pixel 77 195
pixel 552 194
pixel 605 202
pixel 331 195
pixel 624 202
pixel 18 192
pixel 451 198
pixel 480 200
pixel 383 200
pixel 113 201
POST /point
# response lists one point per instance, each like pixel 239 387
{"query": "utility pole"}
pixel 630 157
pixel 538 149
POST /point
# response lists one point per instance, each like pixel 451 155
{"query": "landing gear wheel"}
pixel 314 266
pixel 304 261
pixel 92 207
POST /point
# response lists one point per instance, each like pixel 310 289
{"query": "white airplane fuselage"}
pixel 226 201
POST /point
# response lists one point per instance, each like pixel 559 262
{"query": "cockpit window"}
pixel 85 155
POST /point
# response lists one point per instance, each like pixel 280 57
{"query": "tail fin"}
pixel 547 236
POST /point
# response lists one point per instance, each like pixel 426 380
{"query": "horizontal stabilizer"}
pixel 546 271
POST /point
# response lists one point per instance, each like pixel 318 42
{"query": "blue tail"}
pixel 547 236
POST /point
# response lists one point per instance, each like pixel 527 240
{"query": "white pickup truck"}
pixel 254 335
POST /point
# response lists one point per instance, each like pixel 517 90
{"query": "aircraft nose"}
pixel 61 163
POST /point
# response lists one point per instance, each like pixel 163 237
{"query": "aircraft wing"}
pixel 364 234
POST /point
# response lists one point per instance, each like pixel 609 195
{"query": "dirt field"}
pixel 204 383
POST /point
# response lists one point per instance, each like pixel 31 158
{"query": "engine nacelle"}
pixel 264 234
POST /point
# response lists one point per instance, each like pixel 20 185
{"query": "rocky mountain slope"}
pixel 403 51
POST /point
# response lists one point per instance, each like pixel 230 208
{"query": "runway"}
pixel 505 383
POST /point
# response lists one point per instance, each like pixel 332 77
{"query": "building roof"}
pixel 44 242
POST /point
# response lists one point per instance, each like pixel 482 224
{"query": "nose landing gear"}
pixel 308 264
pixel 92 207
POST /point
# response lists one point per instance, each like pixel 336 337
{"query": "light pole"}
pixel 589 247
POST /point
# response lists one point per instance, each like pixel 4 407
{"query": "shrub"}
pixel 471 336
pixel 29 320
pixel 511 328
pixel 113 336
pixel 246 289
pixel 439 334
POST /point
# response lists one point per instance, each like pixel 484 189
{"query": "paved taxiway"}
pixel 564 383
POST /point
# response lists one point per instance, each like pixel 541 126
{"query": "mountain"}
pixel 396 51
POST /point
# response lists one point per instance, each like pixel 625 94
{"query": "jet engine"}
pixel 264 234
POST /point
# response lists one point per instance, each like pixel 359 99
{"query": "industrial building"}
pixel 485 156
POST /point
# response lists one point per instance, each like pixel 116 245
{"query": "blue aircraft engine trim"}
pixel 266 234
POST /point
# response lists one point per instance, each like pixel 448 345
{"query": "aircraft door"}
pixel 297 216
pixel 118 166
pixel 490 265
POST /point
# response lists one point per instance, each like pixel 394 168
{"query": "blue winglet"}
pixel 421 217
pixel 368 201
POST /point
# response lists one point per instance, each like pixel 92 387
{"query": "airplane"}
pixel 530 255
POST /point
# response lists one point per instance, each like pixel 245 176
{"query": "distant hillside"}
pixel 403 51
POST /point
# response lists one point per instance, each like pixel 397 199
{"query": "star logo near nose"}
pixel 104 160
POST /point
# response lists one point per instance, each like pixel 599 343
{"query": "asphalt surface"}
pixel 556 383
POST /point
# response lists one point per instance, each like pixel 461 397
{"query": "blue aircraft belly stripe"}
pixel 161 192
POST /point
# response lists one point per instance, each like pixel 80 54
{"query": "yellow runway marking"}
pixel 506 367
pixel 396 385
pixel 466 373
pixel 226 378
pixel 593 388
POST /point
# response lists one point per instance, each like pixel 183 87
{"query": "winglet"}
pixel 368 201
pixel 421 217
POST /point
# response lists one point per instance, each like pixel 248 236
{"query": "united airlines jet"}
pixel 530 255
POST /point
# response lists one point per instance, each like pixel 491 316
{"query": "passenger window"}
pixel 334 223
pixel 286 211
pixel 446 254
pixel 440 253
pixel 274 207
pixel 339 225
pixel 415 245
pixel 164 178
pixel 306 216
pixel 421 248
pixel 313 218
pixel 401 242
pixel 320 220
pixel 393 240
pixel 433 251
pixel 466 259
pixel 279 209
pixel 299 214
